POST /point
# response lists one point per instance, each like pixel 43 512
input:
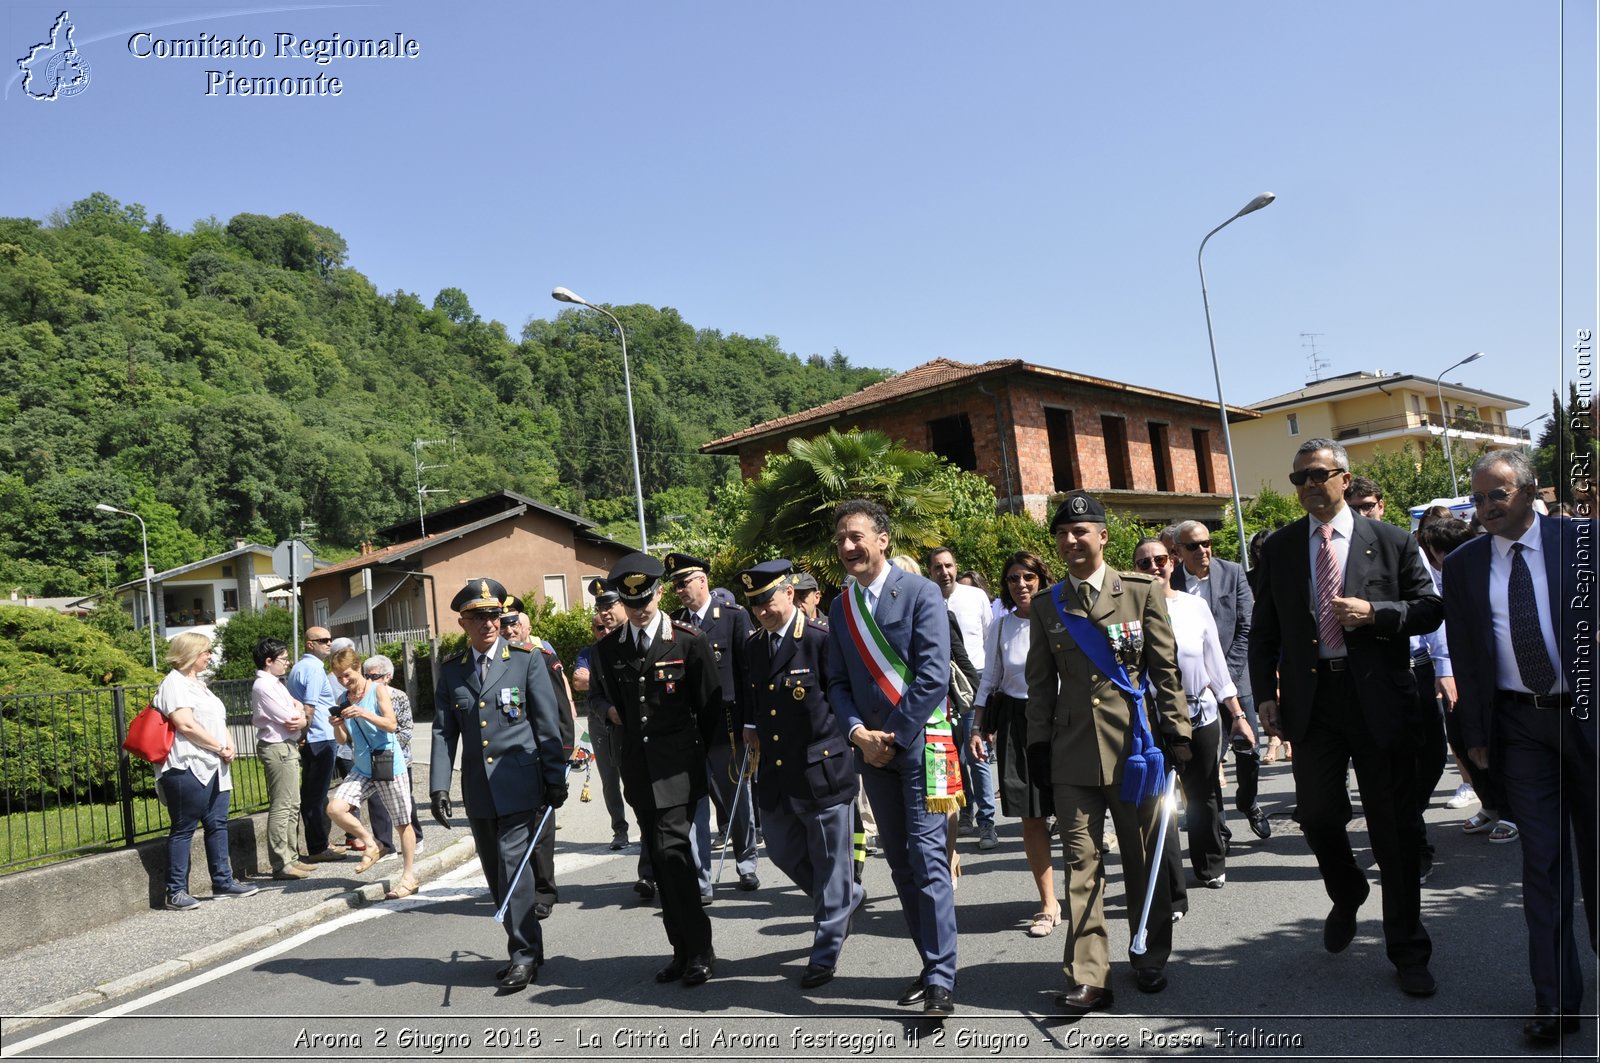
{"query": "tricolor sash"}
pixel 941 759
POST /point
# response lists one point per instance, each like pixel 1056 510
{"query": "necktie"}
pixel 1328 581
pixel 483 667
pixel 1086 592
pixel 772 643
pixel 1527 641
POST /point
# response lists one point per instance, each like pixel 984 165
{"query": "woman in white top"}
pixel 1207 685
pixel 194 779
pixel 1002 703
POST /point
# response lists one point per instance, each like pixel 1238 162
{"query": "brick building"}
pixel 1033 432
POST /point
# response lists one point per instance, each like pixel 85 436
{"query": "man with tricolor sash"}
pixel 1103 684
pixel 888 674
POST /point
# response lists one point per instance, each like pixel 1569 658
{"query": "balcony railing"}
pixel 1402 421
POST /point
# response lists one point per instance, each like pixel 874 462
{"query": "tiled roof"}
pixel 1351 383
pixel 933 376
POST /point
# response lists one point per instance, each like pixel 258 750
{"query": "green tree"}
pixel 236 640
pixel 1411 478
pixel 1567 455
pixel 1269 510
pixel 790 501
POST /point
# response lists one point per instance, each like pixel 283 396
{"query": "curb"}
pixel 368 893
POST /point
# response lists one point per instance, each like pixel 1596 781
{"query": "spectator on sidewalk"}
pixel 194 780
pixel 309 684
pixel 279 720
pixel 379 668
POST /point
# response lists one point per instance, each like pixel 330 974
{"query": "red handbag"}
pixel 149 735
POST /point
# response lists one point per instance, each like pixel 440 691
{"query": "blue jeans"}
pixel 192 805
pixel 977 776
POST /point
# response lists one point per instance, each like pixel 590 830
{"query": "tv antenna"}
pixel 1314 361
pixel 423 491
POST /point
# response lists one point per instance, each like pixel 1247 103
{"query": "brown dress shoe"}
pixel 1085 998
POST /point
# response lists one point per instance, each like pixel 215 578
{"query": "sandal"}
pixel 404 889
pixel 1479 823
pixel 369 856
pixel 1043 923
pixel 1504 831
pixel 1274 746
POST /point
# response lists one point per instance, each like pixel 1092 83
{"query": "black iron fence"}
pixel 67 787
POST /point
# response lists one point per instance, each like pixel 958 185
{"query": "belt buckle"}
pixel 1337 664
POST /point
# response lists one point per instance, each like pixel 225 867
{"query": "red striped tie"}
pixel 1328 584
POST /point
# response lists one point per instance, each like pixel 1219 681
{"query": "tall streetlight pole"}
pixel 1222 407
pixel 149 595
pixel 565 295
pixel 1445 417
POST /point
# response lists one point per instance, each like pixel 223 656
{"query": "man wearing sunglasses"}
pixel 1223 587
pixel 1338 596
pixel 1522 619
pixel 309 684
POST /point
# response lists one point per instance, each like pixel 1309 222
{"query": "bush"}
pixel 238 637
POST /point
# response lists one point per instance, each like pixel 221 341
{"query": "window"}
pixel 1115 432
pixel 1202 460
pixel 400 613
pixel 230 600
pixel 319 612
pixel 1294 424
pixel 555 591
pixel 1160 455
pixel 1063 448
pixel 951 439
pixel 227 571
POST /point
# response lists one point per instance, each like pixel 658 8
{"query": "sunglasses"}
pixel 371 675
pixel 1194 547
pixel 1316 476
pixel 1364 507
pixel 1146 564
pixel 316 641
pixel 1499 494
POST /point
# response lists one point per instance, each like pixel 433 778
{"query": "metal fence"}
pixel 68 788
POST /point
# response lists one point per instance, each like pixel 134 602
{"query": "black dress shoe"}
pixel 748 881
pixel 674 970
pixel 700 969
pixel 1259 823
pixel 1085 998
pixel 1339 929
pixel 1150 979
pixel 706 899
pixel 816 975
pixel 645 888
pixel 541 910
pixel 915 993
pixel 1546 1027
pixel 938 1002
pixel 1417 981
pixel 518 975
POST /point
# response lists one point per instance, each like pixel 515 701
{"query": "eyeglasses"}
pixel 1195 546
pixel 1146 564
pixel 1316 476
pixel 1364 507
pixel 1499 494
pixel 1022 577
pixel 314 642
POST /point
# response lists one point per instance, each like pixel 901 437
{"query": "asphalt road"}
pixel 1249 977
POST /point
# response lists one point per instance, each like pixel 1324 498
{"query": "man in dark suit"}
pixel 1222 586
pixel 1520 607
pixel 660 678
pixel 1337 599
pixel 807 780
pixel 726 628
pixel 499 697
pixel 886 719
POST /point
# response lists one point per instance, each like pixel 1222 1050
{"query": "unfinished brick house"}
pixel 1033 432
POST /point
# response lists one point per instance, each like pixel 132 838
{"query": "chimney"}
pixel 240 544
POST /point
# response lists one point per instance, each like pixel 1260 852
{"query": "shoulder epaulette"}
pixel 690 628
pixel 456 656
pixel 1136 577
pixel 519 649
pixel 753 632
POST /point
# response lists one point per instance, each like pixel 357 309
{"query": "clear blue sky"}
pixel 902 181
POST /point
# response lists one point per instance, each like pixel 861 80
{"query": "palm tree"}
pixel 790 501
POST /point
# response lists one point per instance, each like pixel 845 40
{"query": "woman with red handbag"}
pixel 194 779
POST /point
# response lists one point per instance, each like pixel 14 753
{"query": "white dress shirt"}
pixel 1344 524
pixel 1510 676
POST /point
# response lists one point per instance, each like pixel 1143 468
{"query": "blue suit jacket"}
pixel 911 614
pixel 1569 548
pixel 1227 591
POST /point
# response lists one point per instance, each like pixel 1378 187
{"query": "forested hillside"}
pixel 240 379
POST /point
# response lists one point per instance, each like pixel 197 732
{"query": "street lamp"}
pixel 1445 416
pixel 149 596
pixel 1222 407
pixel 565 295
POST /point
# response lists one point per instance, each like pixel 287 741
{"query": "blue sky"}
pixel 904 181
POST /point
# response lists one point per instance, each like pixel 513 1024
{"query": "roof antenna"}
pixel 1314 362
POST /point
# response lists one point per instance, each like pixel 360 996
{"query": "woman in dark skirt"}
pixel 1001 704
